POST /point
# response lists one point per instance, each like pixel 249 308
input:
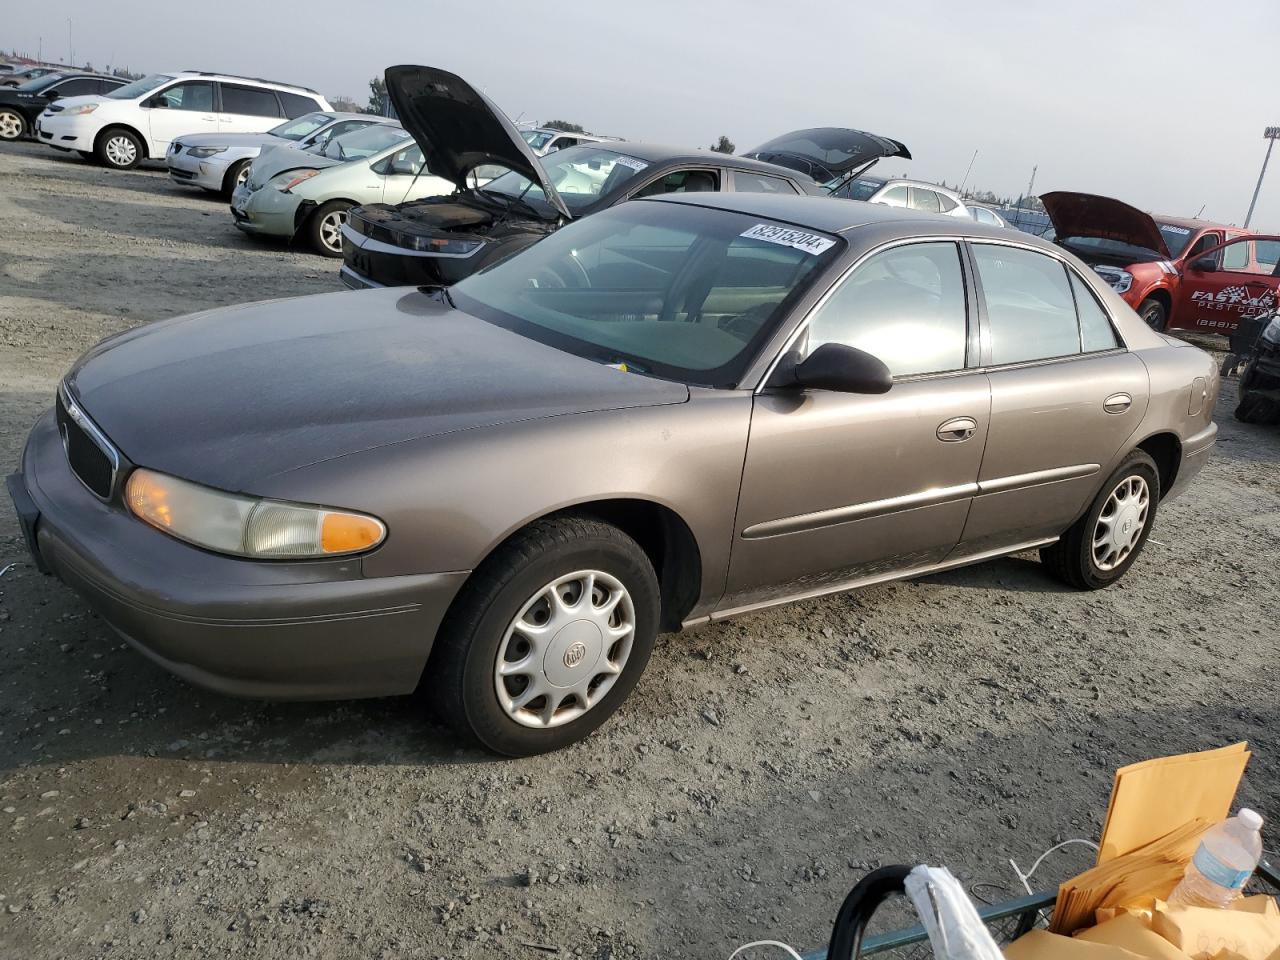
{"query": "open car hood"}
pixel 459 128
pixel 1090 215
pixel 829 153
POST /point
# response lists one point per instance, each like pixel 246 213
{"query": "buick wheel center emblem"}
pixel 576 653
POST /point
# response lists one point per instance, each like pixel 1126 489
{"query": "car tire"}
pixel 583 656
pixel 1099 547
pixel 1257 409
pixel 325 226
pixel 235 175
pixel 1153 314
pixel 13 125
pixel 119 149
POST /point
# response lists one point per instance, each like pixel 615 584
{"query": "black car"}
pixel 19 106
pixel 1257 342
pixel 441 240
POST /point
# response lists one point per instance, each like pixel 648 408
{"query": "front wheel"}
pixel 119 149
pixel 237 175
pixel 1153 314
pixel 549 637
pixel 13 125
pixel 1099 547
pixel 324 228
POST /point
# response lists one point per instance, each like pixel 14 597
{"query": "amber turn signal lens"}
pixel 347 533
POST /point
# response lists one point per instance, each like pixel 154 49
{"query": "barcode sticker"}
pixel 789 237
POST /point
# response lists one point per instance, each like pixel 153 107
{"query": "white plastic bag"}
pixel 955 930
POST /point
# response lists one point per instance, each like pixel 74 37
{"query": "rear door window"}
pixel 922 199
pixel 894 196
pixel 905 305
pixel 744 182
pixel 249 101
pixel 1031 313
pixel 1096 332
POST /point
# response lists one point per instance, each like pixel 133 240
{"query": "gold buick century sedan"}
pixel 673 411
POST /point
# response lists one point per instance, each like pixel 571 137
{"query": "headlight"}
pixel 80 110
pixel 445 246
pixel 284 182
pixel 201 152
pixel 247 526
pixel 1119 280
pixel 1271 332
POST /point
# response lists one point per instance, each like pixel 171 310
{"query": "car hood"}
pixel 277 159
pixel 459 128
pixel 1091 215
pixel 232 396
pixel 829 153
pixel 232 140
pixel 63 102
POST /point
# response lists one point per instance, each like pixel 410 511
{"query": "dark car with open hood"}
pixel 440 240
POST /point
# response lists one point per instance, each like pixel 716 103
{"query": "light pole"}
pixel 1271 134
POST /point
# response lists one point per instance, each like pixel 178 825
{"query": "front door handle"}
pixel 1117 403
pixel 957 429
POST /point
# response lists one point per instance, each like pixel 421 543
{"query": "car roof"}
pixel 352 115
pixel 214 75
pixel 1193 224
pixel 836 215
pixel 919 183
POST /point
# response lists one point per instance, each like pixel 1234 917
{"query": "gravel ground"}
pixel 760 768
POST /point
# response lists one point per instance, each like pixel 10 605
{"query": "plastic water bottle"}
pixel 1224 861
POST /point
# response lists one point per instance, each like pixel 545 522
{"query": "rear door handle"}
pixel 1117 403
pixel 957 429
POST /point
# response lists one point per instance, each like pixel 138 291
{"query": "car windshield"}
pixel 671 290
pixel 1176 238
pixel 538 138
pixel 581 175
pixel 364 142
pixel 297 129
pixel 860 189
pixel 39 83
pixel 131 91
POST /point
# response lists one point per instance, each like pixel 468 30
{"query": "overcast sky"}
pixel 1161 103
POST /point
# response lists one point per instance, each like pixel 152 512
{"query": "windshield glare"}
pixel 131 91
pixel 672 290
pixel 39 83
pixel 299 128
pixel 581 175
pixel 365 142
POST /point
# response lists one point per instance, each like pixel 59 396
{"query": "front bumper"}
pixel 266 211
pixel 279 630
pixel 207 172
pixel 375 263
pixel 66 133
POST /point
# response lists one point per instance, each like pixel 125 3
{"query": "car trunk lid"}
pixel 829 153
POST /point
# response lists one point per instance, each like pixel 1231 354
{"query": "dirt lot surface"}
pixel 760 768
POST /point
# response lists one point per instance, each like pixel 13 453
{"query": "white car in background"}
pixel 544 140
pixel 220 161
pixel 139 120
pixel 900 192
pixel 305 194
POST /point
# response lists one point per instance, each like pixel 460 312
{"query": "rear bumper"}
pixel 314 630
pixel 1196 451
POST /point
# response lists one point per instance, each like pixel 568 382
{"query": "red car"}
pixel 1177 273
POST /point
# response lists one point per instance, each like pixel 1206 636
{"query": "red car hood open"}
pixel 1089 215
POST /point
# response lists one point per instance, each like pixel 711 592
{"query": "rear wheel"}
pixel 548 638
pixel 119 149
pixel 13 125
pixel 1099 547
pixel 1153 314
pixel 324 228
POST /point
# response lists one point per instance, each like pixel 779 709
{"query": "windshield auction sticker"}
pixel 787 237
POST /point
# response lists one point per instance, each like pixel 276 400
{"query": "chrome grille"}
pixel 90 454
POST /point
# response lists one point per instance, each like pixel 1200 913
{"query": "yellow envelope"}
pixel 1155 797
pixel 1043 945
pixel 1132 933
pixel 1203 932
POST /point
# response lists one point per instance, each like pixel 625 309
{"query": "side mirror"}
pixel 1207 264
pixel 52 95
pixel 158 101
pixel 838 367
